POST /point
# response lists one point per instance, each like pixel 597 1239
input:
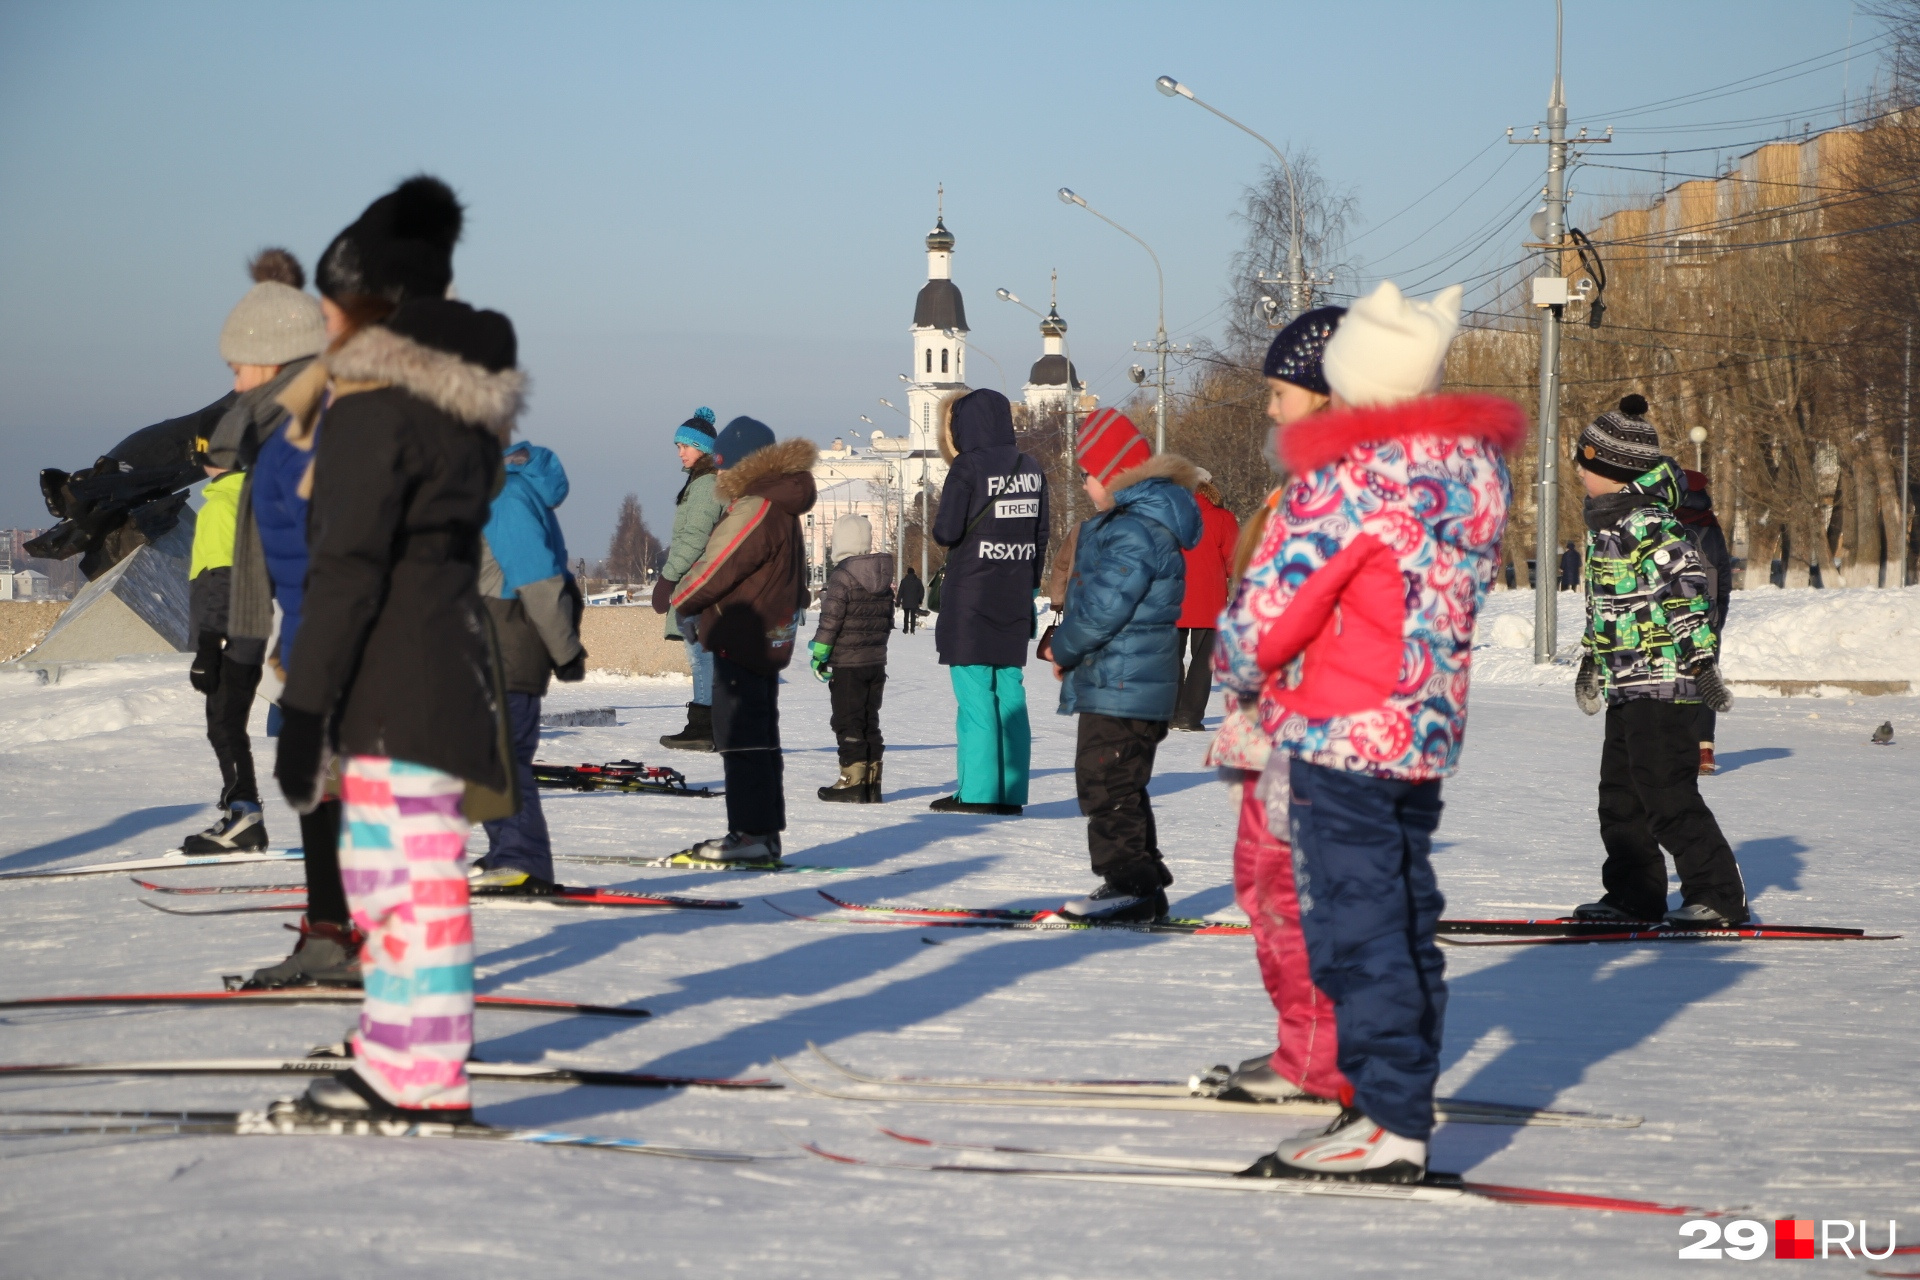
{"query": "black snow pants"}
pixel 855 695
pixel 1196 687
pixel 746 733
pixel 320 838
pixel 1112 764
pixel 228 707
pixel 1649 799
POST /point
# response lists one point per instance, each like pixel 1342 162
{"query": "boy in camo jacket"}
pixel 1651 658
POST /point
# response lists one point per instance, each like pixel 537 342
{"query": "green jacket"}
pixel 1649 608
pixel 695 512
pixel 213 527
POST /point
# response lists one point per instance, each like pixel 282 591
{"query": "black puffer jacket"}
pixel 856 611
pixel 393 642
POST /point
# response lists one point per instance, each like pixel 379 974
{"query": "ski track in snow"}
pixel 1775 1076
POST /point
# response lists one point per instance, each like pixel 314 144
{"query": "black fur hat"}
pixel 400 248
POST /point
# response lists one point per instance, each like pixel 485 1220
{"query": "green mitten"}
pixel 821 652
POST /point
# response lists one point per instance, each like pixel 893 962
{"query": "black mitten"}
pixel 301 766
pixel 1713 690
pixel 1586 687
pixel 205 671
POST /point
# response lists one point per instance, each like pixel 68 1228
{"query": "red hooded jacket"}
pixel 1209 564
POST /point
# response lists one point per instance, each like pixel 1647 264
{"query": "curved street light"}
pixel 1296 272
pixel 1160 336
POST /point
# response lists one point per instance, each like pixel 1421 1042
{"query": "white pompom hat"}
pixel 1390 347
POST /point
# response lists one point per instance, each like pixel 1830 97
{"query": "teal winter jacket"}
pixel 1119 641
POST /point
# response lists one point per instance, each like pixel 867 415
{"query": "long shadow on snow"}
pixel 1163 785
pixel 813 967
pixel 1728 761
pixel 114 831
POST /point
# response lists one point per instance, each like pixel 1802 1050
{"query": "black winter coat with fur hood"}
pixel 393 643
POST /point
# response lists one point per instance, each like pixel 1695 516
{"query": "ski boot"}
pixel 1254 1080
pixel 1698 915
pixel 347 1097
pixel 1604 912
pixel 954 804
pixel 327 955
pixel 1111 904
pixel 1351 1149
pixel 241 827
pixel 732 849
pixel 698 735
pixel 851 787
pixel 507 882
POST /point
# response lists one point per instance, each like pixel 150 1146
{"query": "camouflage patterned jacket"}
pixel 1649 611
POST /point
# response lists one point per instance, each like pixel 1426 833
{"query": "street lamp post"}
pixel 1299 288
pixel 1160 345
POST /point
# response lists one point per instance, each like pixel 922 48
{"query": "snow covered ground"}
pixel 1777 1077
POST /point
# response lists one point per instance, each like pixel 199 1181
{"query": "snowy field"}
pixel 1775 1077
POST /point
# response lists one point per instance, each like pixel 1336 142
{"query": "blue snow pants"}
pixel 1369 906
pixel 995 739
pixel 520 842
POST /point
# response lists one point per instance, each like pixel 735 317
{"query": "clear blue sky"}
pixel 723 204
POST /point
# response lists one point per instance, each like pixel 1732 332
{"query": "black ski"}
pixel 629 776
pixel 329 1065
pixel 236 995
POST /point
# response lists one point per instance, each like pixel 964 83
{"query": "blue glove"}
pixel 821 652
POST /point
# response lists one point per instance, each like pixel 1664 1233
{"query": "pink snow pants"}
pixel 402 862
pixel 1263 886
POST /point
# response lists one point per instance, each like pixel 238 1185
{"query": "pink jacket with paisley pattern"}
pixel 1354 622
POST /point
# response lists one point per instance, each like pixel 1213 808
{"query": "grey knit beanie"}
pixel 277 321
pixel 1620 444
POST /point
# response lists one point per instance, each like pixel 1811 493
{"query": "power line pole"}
pixel 1550 296
pixel 1906 428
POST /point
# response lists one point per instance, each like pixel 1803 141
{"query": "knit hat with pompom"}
pixel 276 322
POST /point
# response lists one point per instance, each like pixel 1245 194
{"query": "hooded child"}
pixel 275 325
pixel 849 652
pixel 536 607
pixel 1651 660
pixel 746 594
pixel 1116 653
pixel 1358 641
pixel 993 522
pixel 696 509
pixel 393 675
pixel 1305 1061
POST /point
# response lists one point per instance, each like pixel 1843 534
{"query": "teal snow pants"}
pixel 996 743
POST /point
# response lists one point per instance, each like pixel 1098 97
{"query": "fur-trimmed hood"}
pixel 984 421
pixel 773 473
pixel 1167 466
pixel 1312 443
pixel 379 357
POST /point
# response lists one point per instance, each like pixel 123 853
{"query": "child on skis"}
pixel 1651 659
pixel 1304 1065
pixel 274 325
pixel 1359 644
pixel 1117 655
pixel 849 652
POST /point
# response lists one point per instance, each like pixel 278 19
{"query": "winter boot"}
pixel 852 786
pixel 241 827
pixel 873 782
pixel 1707 765
pixel 507 882
pixel 1111 904
pixel 954 804
pixel 733 847
pixel 1351 1149
pixel 698 735
pixel 1254 1080
pixel 327 955
pixel 1698 915
pixel 347 1097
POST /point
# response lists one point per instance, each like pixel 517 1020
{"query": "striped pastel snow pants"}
pixel 402 845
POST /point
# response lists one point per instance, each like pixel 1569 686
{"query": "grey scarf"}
pixel 237 440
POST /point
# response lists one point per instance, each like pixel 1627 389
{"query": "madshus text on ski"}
pixel 364 481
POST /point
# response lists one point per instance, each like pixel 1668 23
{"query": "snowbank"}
pixel 1803 635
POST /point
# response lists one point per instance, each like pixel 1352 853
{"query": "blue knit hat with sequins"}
pixel 1298 349
pixel 697 430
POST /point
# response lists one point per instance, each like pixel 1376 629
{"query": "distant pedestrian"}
pixel 748 591
pixel 849 651
pixel 696 509
pixel 1117 653
pixel 1209 563
pixel 912 593
pixel 1652 657
pixel 536 607
pixel 1570 568
pixel 1702 528
pixel 993 522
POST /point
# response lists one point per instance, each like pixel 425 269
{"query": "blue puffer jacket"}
pixel 281 515
pixel 1119 640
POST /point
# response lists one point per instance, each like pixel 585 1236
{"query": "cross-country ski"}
pixel 171 861
pixel 560 896
pixel 236 996
pixel 493 1072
